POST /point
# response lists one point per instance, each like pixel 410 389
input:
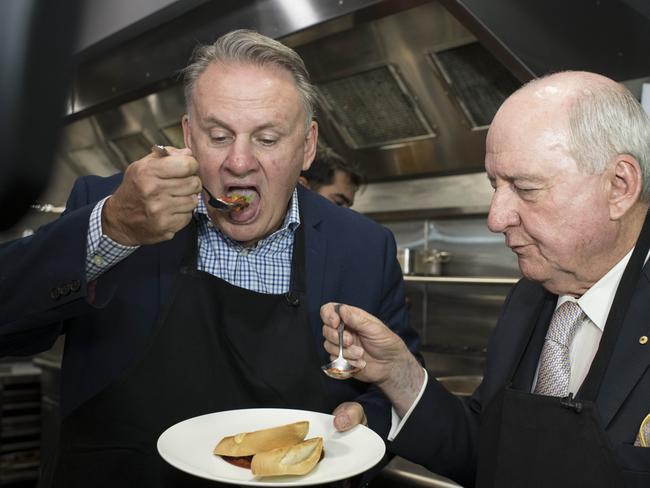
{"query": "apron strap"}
pixel 297 283
pixel 616 317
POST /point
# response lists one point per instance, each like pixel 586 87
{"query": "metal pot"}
pixel 429 262
pixel 406 257
pixel 422 261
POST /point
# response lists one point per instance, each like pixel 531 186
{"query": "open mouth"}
pixel 252 196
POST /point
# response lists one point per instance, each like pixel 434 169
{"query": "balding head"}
pixel 568 155
pixel 600 117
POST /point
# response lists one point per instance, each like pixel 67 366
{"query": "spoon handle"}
pixel 341 326
pixel 337 307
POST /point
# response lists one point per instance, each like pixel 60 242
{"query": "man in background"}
pixel 333 177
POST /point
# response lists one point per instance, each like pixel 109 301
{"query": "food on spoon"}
pixel 242 201
pixel 250 443
pixel 298 459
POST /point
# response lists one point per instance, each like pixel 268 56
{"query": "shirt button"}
pixel 98 260
pixel 243 252
pixel 643 340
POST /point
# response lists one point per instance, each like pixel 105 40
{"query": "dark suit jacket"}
pixel 442 431
pixel 43 293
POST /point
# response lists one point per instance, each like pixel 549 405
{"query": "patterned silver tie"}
pixel 555 366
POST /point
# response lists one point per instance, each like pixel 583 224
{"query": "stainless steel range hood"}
pixel 407 95
pixel 407 88
pixel 401 84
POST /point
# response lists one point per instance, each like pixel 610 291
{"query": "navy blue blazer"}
pixel 43 292
pixel 442 431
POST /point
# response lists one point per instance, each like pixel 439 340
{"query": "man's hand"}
pixel 369 344
pixel 155 200
pixel 348 415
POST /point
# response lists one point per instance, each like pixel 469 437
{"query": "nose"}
pixel 503 211
pixel 240 160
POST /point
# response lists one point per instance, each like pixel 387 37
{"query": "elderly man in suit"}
pixel 172 308
pixel 566 386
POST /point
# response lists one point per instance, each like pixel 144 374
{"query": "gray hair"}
pixel 248 46
pixel 607 120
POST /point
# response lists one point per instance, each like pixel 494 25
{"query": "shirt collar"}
pixel 597 300
pixel 291 219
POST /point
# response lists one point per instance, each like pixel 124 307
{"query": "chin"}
pixel 532 271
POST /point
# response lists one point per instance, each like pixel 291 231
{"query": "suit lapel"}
pixel 630 359
pixel 315 258
pixel 532 344
pixel 509 349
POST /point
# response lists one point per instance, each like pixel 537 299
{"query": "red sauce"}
pixel 245 461
pixel 240 462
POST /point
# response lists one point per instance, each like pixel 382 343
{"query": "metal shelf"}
pixel 465 280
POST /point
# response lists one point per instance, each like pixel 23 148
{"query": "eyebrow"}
pixel 526 178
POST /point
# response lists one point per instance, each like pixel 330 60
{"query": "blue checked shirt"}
pixel 264 267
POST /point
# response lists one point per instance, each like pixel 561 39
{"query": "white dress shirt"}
pixel 595 304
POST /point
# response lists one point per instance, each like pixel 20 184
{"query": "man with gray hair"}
pixel 565 397
pixel 175 304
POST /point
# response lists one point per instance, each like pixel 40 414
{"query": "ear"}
pixel 187 138
pixel 311 141
pixel 626 183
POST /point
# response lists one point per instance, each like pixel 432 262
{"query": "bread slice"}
pixel 293 460
pixel 250 443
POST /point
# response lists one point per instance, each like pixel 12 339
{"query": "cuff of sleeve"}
pixel 102 252
pixel 396 422
pixel 95 228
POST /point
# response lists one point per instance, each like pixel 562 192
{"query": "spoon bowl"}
pixel 222 205
pixel 340 368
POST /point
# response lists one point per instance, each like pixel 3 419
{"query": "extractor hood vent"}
pixel 133 146
pixel 373 108
pixel 478 82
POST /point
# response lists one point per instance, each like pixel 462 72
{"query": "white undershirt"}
pixel 595 303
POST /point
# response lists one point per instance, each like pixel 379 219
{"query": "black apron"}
pixel 528 440
pixel 215 347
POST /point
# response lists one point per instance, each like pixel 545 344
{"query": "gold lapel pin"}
pixel 643 340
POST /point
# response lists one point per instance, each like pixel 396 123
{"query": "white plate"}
pixel 188 446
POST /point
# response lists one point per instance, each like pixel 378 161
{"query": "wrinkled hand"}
pixel 348 415
pixel 155 200
pixel 369 344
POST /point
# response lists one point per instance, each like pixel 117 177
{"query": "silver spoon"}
pixel 213 201
pixel 340 368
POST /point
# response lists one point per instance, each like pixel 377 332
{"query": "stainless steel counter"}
pixel 400 472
